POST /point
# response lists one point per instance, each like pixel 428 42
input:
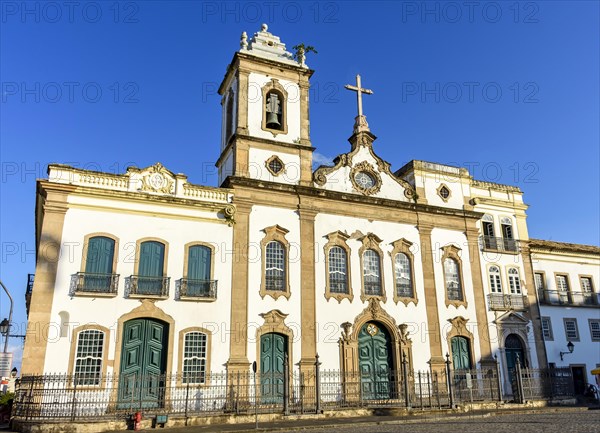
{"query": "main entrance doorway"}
pixel 579 381
pixel 375 362
pixel 273 347
pixel 513 347
pixel 143 363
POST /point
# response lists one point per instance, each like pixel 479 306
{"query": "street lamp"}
pixel 570 347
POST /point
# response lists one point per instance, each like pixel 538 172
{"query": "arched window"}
pixel 514 281
pixel 275 266
pixel 88 357
pixel 487 226
pixel 338 270
pixel 452 277
pixel 229 120
pixel 194 357
pixel 404 284
pixel 372 273
pixel 274 106
pixel 99 275
pixel 495 281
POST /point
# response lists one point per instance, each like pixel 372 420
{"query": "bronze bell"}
pixel 273 121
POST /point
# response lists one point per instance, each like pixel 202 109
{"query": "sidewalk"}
pixel 330 422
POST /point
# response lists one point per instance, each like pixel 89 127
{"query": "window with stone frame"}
pixel 571 329
pixel 88 357
pixel 404 283
pixel 514 281
pixel 275 276
pixel 547 329
pixel 372 273
pixel 452 277
pixel 495 280
pixel 595 329
pixel 338 270
pixel 194 358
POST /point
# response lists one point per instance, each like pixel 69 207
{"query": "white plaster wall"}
pixel 331 314
pixel 586 351
pixel 255 108
pixel 339 180
pixel 258 170
pixel 433 181
pixel 129 227
pixel 260 218
pixel 439 239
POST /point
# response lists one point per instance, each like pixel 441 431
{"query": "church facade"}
pixel 354 262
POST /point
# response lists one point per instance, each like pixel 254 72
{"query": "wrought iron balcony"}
pixel 275 282
pixel 197 289
pixel 148 286
pixel 497 244
pixel 572 299
pixel 83 282
pixel 29 291
pixel 499 301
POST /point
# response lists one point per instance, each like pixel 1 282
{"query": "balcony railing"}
pixel 29 291
pixel 499 301
pixel 494 243
pixel 275 282
pixel 200 289
pixel 95 283
pixel 149 286
pixel 574 299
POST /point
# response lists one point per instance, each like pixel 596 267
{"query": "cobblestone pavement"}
pixel 583 422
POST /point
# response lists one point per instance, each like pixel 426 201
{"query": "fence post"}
pixel 449 381
pixel 74 402
pixel 286 384
pixel 520 396
pixel 405 379
pixel 498 379
pixel 187 399
pixel 318 383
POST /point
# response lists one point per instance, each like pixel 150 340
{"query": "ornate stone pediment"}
pixel 157 179
pixel 361 171
pixel 512 318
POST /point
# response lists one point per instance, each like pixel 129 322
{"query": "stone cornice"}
pixel 543 246
pixel 346 198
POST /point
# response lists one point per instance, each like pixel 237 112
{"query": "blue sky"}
pixel 508 89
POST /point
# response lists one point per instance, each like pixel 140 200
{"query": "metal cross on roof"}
pixel 359 91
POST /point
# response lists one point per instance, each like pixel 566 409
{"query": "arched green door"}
pixel 143 363
pixel 513 349
pixel 273 347
pixel 375 361
pixel 461 353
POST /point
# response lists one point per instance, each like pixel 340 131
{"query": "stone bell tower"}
pixel 265 127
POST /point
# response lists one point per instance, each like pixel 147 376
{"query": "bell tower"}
pixel 265 132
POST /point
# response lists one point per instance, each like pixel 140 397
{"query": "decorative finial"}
pixel 244 41
pixel 264 28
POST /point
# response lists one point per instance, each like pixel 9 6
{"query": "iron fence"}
pixel 61 397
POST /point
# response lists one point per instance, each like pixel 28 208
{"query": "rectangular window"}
pixel 547 329
pixel 562 285
pixel 194 357
pixel 539 281
pixel 88 357
pixel 571 331
pixel 595 329
pixel 586 285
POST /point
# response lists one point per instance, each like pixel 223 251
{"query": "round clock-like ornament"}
pixel 364 180
pixel 157 181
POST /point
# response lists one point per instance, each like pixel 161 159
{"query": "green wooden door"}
pixel 273 347
pixel 143 363
pixel 461 355
pixel 99 264
pixel 150 270
pixel 513 349
pixel 375 361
